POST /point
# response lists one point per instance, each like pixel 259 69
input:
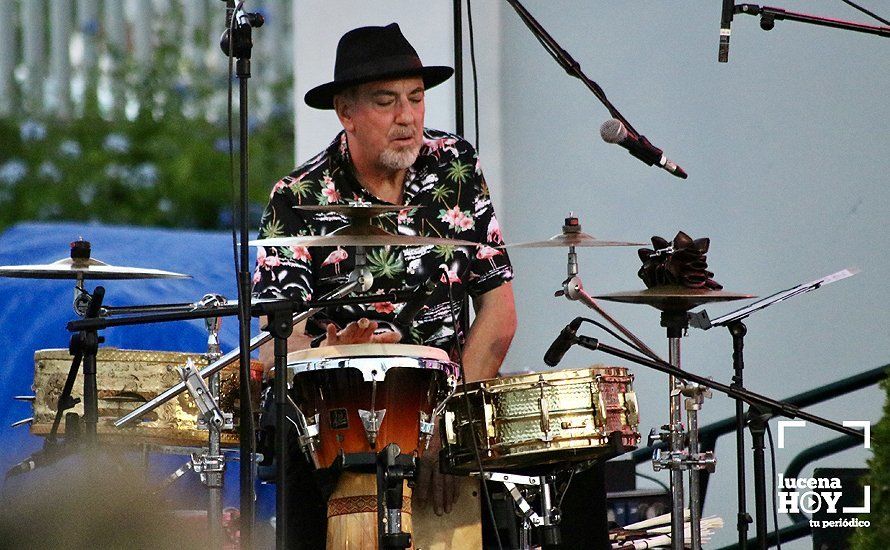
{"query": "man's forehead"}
pixel 394 85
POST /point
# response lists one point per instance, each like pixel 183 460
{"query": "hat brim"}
pixel 322 97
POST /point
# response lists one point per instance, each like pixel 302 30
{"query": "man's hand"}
pixel 359 332
pixel 433 487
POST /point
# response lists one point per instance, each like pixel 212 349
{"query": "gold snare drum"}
pixel 125 380
pixel 543 418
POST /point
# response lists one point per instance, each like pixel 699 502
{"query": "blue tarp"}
pixel 33 313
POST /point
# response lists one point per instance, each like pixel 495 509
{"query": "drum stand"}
pixel 684 451
pixel 547 522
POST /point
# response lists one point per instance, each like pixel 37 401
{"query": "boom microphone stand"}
pixel 237 42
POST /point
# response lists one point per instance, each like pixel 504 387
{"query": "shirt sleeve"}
pixel 489 265
pixel 283 271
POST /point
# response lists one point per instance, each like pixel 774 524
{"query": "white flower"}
pixel 116 143
pixel 13 171
pixel 49 171
pixel 31 130
pixel 70 149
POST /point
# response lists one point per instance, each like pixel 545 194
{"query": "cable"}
pixel 620 338
pixel 772 453
pixel 654 480
pixel 565 489
pixel 475 76
pixel 463 378
pixel 865 11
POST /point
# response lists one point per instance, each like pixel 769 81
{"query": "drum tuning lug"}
pixel 372 421
pixel 426 430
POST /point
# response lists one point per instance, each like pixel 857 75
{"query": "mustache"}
pixel 402 132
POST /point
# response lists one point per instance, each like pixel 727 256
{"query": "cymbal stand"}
pixel 573 289
pixel 684 453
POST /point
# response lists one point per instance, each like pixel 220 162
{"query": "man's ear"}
pixel 343 109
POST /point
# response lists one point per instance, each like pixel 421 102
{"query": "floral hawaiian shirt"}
pixel 445 181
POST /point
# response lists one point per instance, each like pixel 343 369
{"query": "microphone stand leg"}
pixel 757 420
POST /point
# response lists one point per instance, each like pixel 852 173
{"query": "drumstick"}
pixel 653 522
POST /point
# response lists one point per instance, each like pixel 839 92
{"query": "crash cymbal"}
pixel 571 236
pixel 360 235
pixel 570 239
pixel 85 268
pixel 355 210
pixel 674 298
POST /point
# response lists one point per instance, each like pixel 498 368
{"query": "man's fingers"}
pixel 422 489
pixel 448 490
pixel 389 337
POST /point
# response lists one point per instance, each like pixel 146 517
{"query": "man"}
pixel 385 156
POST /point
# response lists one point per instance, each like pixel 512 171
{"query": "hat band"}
pixel 379 67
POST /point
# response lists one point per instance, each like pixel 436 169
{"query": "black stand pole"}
pixel 769 16
pixel 757 419
pixel 88 347
pixel 458 68
pixel 281 326
pixel 237 41
pixel 738 330
pixel 774 406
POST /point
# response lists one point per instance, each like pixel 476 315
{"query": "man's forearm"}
pixel 490 334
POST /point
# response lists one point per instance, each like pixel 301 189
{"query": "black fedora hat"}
pixel 367 54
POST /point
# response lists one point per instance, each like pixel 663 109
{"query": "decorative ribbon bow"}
pixel 682 262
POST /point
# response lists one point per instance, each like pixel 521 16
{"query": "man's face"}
pixel 384 120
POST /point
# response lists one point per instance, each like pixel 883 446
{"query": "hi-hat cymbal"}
pixel 360 235
pixel 85 268
pixel 673 298
pixel 579 239
pixel 355 210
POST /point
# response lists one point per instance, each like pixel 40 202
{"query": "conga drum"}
pixel 354 400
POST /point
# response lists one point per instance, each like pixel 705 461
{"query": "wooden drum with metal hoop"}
pixel 356 399
pixel 125 380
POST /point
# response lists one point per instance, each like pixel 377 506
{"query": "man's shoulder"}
pixel 439 143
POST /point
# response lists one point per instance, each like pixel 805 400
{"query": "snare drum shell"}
pixel 542 418
pixel 126 379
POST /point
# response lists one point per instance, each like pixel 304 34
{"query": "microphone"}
pixel 614 131
pixel 725 22
pixel 410 310
pixel 563 342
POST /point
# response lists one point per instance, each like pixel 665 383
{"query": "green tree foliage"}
pixel 876 535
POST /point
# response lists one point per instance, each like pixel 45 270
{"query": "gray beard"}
pixel 399 160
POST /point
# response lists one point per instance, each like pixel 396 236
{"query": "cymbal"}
pixel 360 235
pixel 356 211
pixel 674 298
pixel 86 268
pixel 578 239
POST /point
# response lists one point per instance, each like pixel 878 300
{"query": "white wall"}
pixel 786 147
